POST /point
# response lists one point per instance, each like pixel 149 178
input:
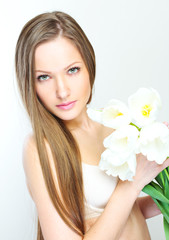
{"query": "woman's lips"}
pixel 66 106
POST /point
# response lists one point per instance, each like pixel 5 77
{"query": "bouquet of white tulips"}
pixel 137 131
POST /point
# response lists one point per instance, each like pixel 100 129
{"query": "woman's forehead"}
pixel 57 53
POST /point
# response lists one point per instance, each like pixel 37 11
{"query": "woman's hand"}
pixel 147 170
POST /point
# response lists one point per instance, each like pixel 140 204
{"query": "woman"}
pixel 55 69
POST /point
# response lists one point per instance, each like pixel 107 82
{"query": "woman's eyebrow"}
pixel 64 68
pixel 71 65
pixel 42 71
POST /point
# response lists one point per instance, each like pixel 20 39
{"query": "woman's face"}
pixel 62 80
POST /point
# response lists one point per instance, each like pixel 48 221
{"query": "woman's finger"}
pixel 165 164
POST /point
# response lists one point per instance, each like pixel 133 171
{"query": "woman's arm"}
pixel 148 207
pixel 52 225
pixel 111 222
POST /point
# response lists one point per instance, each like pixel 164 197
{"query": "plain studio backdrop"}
pixel 131 42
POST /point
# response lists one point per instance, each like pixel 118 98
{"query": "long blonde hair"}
pixel 66 155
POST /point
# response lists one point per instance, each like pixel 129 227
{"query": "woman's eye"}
pixel 73 70
pixel 43 77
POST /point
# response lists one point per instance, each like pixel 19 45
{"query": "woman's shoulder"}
pixel 29 149
pixel 29 144
pixel 30 157
pixel 31 163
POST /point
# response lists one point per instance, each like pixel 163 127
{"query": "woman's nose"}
pixel 62 88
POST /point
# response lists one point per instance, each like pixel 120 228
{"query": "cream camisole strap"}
pixel 98 187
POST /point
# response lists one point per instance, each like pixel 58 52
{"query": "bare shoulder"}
pixel 29 150
pixel 30 158
pixel 32 166
pixel 31 163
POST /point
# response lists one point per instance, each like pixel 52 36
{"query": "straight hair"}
pixel 48 127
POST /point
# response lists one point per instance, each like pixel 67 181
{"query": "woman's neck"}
pixel 82 122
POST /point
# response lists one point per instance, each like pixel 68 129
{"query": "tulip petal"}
pixel 154 142
pixel 144 106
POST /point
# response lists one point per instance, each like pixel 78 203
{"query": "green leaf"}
pixel 166 174
pixel 155 193
pixel 157 187
pixel 166 189
pixel 167 169
pixel 160 179
pixel 164 208
pixel 166 228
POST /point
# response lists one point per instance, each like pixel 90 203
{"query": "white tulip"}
pixel 115 114
pixel 124 140
pixel 144 106
pixel 119 158
pixel 117 166
pixel 154 142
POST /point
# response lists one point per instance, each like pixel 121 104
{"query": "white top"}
pixel 98 187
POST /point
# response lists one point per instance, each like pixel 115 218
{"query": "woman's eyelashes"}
pixel 73 70
pixel 43 77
